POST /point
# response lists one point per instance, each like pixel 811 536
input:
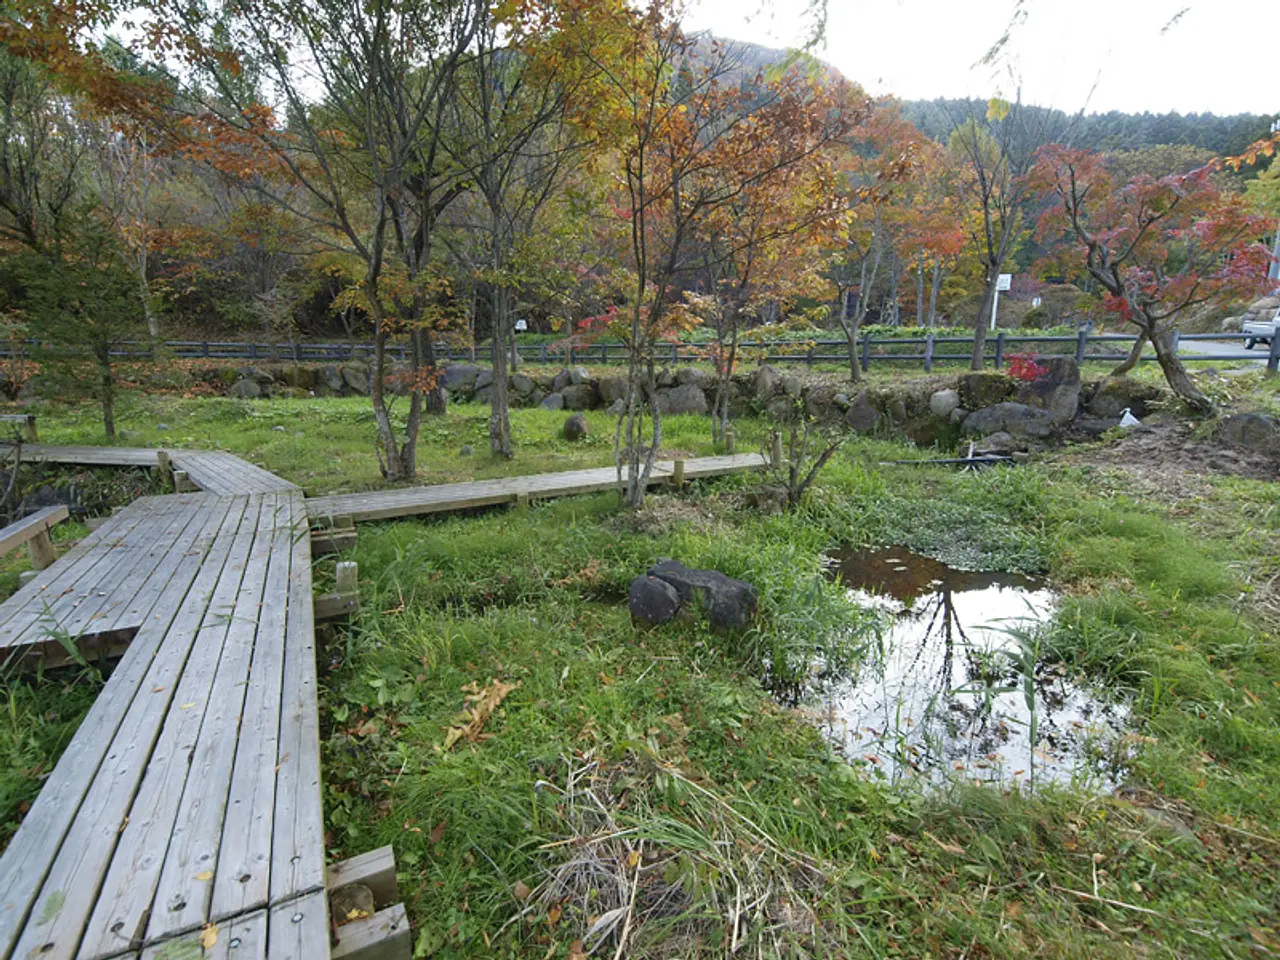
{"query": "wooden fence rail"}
pixel 932 350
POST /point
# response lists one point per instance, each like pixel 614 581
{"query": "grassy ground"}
pixel 551 777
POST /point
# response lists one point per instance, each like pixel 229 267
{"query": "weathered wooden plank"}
pixel 297 848
pixel 20 531
pixel 242 878
pixel 75 563
pixel 30 854
pixel 129 567
pixel 299 929
pixel 195 747
pixel 242 938
pixel 61 910
pixel 87 455
pixel 375 869
pixel 49 603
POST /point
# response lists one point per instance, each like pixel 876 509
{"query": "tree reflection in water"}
pixel 946 697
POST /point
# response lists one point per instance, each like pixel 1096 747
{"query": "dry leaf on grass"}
pixel 482 704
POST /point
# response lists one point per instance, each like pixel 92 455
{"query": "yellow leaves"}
pixel 204 875
pixel 998 109
pixel 483 703
pixel 209 936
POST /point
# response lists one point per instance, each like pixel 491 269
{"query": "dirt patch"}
pixel 661 513
pixel 1168 459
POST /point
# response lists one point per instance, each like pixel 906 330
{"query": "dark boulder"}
pixel 653 601
pixel 686 398
pixel 329 380
pixel 552 401
pixel 861 417
pixel 245 389
pixel 576 428
pixel 1017 419
pixel 1117 394
pixel 1056 391
pixel 460 377
pixel 729 604
pixel 612 388
pixel 580 396
pixel 357 378
pixel 1253 431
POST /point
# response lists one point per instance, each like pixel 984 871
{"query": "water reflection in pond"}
pixel 949 696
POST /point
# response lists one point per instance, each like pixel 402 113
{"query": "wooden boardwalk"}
pixel 189 799
pixel 410 501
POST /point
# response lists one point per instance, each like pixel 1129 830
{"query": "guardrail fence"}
pixel 929 350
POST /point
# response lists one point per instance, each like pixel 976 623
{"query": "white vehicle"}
pixel 1260 331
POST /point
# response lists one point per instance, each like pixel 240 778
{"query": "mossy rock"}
pixel 984 389
pixel 1115 394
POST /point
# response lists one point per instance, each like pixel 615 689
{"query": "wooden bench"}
pixel 33 530
pixel 28 420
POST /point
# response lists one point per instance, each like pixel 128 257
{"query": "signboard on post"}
pixel 1003 282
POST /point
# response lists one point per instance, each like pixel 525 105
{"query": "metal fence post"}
pixel 928 354
pixel 1273 359
pixel 604 354
pixel 809 356
pixel 571 354
pixel 1000 350
pixel 1082 343
pixel 205 346
pixel 866 351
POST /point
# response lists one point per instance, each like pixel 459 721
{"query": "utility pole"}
pixel 1274 272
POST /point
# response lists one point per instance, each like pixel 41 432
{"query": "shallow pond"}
pixel 956 688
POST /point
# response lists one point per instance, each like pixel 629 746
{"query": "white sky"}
pixel 1220 56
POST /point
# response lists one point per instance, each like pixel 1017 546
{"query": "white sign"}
pixel 1036 301
pixel 1004 282
pixel 522 325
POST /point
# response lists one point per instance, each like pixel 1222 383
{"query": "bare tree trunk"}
pixel 393 467
pixel 851 325
pixel 107 386
pixel 1176 374
pixel 499 415
pixel 934 284
pixel 978 359
pixel 1135 355
pixel 920 289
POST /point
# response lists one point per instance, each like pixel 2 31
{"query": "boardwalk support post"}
pixel 729 439
pixel 345 598
pixel 182 482
pixel 775 454
pixel 371 878
pixel 165 466
pixel 677 474
pixel 333 536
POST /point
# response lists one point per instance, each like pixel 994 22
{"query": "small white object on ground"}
pixel 1128 420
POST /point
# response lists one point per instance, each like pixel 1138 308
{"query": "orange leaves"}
pixel 482 704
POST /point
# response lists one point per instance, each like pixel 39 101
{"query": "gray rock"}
pixel 686 398
pixel 580 396
pixel 841 400
pixel 1057 390
pixel 279 428
pixel 576 428
pixel 861 417
pixel 943 402
pixel 1000 443
pixel 1232 324
pixel 767 382
pixel 618 407
pixel 729 604
pixel 1115 394
pixel 357 378
pixel 792 386
pixel 1095 426
pixel 552 401
pixel 245 389
pixel 1017 419
pixel 666 378
pixel 561 380
pixel 521 385
pixel 898 409
pixel 1253 431
pixel 612 389
pixel 162 426
pixel 692 375
pixel 780 407
pixel 652 601
pixel 483 379
pixel 460 377
pixel 467 450
pixel 578 376
pixel 329 379
pixel 958 415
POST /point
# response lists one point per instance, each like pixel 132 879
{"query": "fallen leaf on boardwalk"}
pixel 483 703
pixel 205 875
pixel 188 706
pixel 209 936
pixel 355 913
pixel 522 891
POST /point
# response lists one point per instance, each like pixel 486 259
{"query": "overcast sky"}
pixel 1133 55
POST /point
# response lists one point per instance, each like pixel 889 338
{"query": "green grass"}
pixel 617 748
